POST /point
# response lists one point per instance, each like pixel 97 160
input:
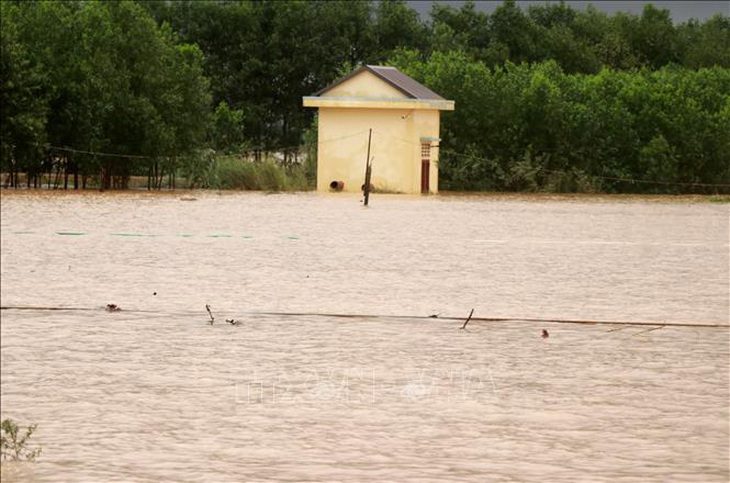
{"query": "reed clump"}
pixel 235 173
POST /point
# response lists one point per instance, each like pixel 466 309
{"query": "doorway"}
pixel 425 167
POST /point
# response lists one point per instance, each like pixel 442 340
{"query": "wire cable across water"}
pixel 392 317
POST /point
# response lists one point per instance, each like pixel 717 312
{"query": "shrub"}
pixel 13 446
pixel 233 172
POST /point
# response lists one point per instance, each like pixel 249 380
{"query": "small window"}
pixel 426 150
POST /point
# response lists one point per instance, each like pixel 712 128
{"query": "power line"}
pixel 341 137
pixel 240 153
pixel 697 324
pixel 444 151
pixel 609 178
pixel 387 134
pixel 96 153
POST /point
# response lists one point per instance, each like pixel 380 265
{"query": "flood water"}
pixel 296 392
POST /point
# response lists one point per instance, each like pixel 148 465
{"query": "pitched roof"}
pixel 392 76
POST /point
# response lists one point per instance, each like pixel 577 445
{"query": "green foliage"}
pixel 14 443
pixel 463 29
pixel 110 80
pixel 397 26
pixel 232 172
pixel 200 168
pixel 23 100
pixel 658 159
pixel 706 44
pixel 548 97
pixel 311 136
pixel 227 130
pixel 262 57
pixel 534 127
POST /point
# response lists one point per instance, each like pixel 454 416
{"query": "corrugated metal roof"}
pixel 395 78
pixel 403 83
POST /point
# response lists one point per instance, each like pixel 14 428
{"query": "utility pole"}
pixel 368 170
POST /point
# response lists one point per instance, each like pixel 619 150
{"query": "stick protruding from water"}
pixel 467 319
pixel 649 330
pixel 212 319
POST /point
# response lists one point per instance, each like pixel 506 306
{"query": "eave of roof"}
pixel 359 102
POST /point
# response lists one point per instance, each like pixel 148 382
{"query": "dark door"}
pixel 425 166
pixel 425 171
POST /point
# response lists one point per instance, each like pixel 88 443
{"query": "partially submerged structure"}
pixel 381 109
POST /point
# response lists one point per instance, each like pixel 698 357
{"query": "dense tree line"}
pixel 547 98
pixel 88 77
pixel 665 130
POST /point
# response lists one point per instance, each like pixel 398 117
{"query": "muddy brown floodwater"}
pixel 155 393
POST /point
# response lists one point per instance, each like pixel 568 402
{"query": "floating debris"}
pixel 545 334
pixel 113 308
pixel 234 322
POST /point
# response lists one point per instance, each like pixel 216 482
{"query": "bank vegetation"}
pixel 208 93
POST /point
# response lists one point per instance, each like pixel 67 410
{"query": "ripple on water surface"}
pixel 154 392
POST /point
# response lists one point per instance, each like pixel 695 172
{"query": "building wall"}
pixel 395 147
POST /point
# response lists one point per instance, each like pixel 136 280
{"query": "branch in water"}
pixel 649 330
pixel 468 319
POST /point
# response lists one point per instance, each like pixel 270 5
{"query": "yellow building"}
pixel 400 115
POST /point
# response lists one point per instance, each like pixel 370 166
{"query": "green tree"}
pixel 706 44
pixel 464 29
pixel 560 38
pixel 397 26
pixel 115 82
pixel 227 131
pixel 653 37
pixel 23 101
pixel 535 127
pixel 511 28
pixel 262 57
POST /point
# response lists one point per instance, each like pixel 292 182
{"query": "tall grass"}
pixel 235 173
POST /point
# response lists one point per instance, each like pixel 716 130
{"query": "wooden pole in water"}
pixel 368 170
pixel 468 319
